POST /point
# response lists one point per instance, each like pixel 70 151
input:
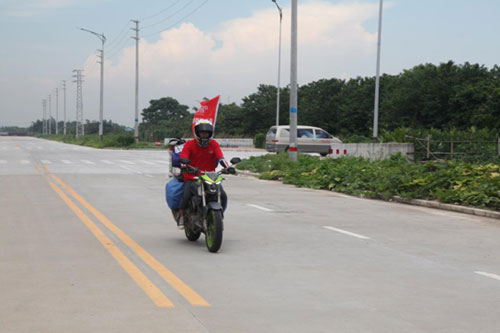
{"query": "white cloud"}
pixel 189 64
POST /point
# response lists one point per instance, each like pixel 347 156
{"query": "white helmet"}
pixel 203 125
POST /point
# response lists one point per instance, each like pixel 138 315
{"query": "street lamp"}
pixel 292 150
pixel 103 40
pixel 279 68
pixel 377 76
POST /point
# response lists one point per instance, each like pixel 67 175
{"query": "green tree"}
pixel 229 120
pixel 259 110
pixel 166 108
pixel 319 104
pixel 165 118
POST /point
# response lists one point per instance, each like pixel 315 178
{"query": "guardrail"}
pixel 437 149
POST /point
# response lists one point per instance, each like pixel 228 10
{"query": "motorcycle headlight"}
pixel 212 188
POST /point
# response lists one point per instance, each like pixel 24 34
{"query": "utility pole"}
pixel 79 103
pixel 64 99
pixel 279 69
pixel 57 111
pixel 101 104
pixel 377 76
pixel 136 125
pixel 50 115
pixel 44 122
pixel 292 150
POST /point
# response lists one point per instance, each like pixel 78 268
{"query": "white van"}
pixel 309 139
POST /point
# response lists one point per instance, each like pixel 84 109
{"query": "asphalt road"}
pixel 87 243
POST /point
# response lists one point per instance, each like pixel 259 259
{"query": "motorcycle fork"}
pixel 204 204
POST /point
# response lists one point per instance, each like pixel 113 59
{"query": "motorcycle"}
pixel 204 213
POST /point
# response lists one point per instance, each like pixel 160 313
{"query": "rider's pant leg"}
pixel 187 194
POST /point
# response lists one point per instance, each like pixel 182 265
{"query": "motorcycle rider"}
pixel 204 154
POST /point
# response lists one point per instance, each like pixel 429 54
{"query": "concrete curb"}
pixel 247 173
pixel 450 207
pixel 424 203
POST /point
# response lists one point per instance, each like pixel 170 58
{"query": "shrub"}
pixel 260 140
pixel 469 184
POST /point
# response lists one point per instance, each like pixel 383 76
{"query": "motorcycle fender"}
pixel 213 206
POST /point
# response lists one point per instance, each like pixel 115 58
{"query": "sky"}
pixel 191 49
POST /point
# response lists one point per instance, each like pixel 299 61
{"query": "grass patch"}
pixel 455 182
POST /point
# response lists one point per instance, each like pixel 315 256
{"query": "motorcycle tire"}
pixel 213 236
pixel 190 235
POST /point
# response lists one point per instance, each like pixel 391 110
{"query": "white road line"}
pixel 87 162
pixel 131 170
pixel 107 162
pixel 261 208
pixel 3 161
pixel 66 161
pixel 490 275
pixel 24 162
pixel 46 161
pixel 346 232
pixel 126 162
pixel 146 162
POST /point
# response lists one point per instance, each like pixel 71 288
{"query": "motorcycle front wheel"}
pixel 213 236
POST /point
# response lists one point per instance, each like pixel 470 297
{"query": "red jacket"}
pixel 203 158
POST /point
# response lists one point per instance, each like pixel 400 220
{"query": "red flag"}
pixel 207 111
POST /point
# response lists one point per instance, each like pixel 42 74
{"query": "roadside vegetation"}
pixel 109 141
pixel 115 135
pixel 454 182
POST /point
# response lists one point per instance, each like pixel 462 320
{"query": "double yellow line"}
pixel 156 295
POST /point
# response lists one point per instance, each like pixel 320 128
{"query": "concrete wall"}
pixel 235 142
pixel 373 151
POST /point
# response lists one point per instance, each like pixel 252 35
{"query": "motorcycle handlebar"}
pixel 193 170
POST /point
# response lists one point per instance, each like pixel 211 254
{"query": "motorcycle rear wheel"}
pixel 190 235
pixel 213 236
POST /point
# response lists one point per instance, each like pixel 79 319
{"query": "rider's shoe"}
pixel 180 222
pixel 175 214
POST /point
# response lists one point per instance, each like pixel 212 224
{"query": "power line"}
pixel 124 43
pixel 122 47
pixel 161 11
pixel 182 19
pixel 119 35
pixel 119 44
pixel 170 16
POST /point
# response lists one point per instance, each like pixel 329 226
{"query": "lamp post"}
pixel 292 150
pixel 103 40
pixel 136 122
pixel 377 76
pixel 279 68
